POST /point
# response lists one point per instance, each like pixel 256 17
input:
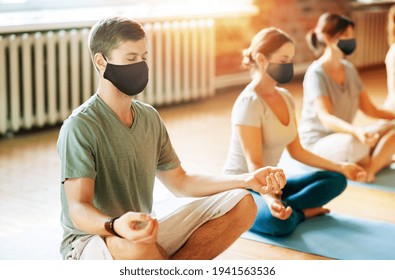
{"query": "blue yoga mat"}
pixel 338 236
pixel 385 179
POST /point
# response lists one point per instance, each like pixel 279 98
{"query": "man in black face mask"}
pixel 112 147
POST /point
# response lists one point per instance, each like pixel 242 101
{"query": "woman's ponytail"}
pixel 248 61
pixel 314 44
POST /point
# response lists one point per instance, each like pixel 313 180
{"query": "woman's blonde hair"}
pixel 267 41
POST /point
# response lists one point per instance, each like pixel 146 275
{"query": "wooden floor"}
pixel 200 132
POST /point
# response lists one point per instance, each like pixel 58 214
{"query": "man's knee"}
pixel 245 211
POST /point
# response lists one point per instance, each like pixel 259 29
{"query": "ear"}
pixel 261 61
pixel 100 62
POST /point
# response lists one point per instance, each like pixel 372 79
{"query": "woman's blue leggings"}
pixel 301 192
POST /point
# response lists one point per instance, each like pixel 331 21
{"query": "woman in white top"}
pixel 263 125
pixel 390 61
pixel 332 94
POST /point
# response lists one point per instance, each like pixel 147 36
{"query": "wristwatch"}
pixel 109 226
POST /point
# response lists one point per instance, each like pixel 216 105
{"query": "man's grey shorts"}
pixel 174 228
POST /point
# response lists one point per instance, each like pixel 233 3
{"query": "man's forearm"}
pixel 89 219
pixel 200 185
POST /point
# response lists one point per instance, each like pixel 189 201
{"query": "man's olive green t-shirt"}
pixel 94 143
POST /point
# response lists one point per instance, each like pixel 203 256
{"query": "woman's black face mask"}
pixel 347 46
pixel 282 73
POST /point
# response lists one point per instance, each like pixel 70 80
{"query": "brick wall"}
pixel 296 17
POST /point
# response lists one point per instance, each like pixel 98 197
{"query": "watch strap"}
pixel 109 226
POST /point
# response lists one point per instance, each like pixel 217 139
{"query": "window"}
pixel 28 5
pixel 29 15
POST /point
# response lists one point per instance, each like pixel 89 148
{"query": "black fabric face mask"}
pixel 131 79
pixel 347 46
pixel 282 73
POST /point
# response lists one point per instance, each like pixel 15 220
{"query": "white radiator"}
pixel 45 75
pixel 371 36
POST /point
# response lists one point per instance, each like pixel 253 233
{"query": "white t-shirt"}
pixel 250 110
pixel 344 99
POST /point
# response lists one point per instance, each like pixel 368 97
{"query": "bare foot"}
pixel 370 177
pixel 314 212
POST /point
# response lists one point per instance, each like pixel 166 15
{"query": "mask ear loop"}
pixel 104 57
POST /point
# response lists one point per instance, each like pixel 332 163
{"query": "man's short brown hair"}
pixel 108 33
